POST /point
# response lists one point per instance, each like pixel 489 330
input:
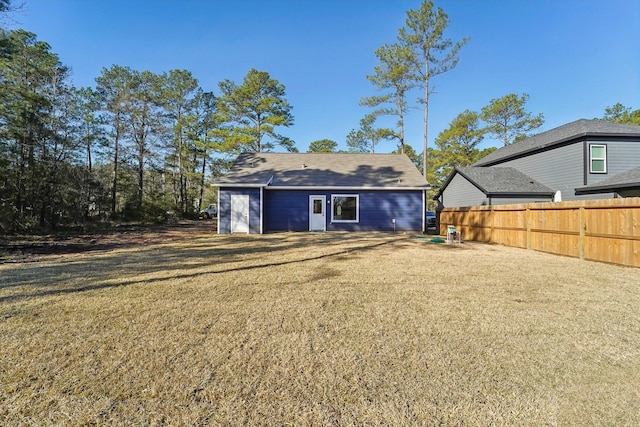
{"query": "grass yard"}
pixel 317 329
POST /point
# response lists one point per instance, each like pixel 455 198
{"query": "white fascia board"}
pixel 244 185
pixel 321 188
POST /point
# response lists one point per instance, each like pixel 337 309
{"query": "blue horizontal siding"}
pixel 224 214
pixel 288 210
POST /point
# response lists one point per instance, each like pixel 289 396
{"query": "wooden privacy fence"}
pixel 600 230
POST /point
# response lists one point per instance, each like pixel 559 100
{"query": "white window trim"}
pixel 357 197
pixel 591 158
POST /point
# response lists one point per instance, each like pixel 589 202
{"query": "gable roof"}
pixel 323 170
pixel 628 180
pixel 499 181
pixel 579 129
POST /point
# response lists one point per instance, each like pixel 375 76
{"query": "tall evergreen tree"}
pixel 508 121
pixel 89 126
pixel 395 77
pixel 323 146
pixel 253 110
pixel 144 122
pixel 177 92
pixel 365 139
pixel 415 158
pixel 618 113
pixel 457 145
pixel 423 34
pixel 33 116
pixel 113 88
pixel 202 124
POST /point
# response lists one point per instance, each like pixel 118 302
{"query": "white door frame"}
pixel 314 217
pixel 240 213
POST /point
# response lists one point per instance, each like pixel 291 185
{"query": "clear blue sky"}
pixel 573 57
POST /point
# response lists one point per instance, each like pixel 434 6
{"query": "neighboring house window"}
pixel 345 207
pixel 598 158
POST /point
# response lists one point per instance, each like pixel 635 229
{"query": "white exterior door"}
pixel 239 213
pixel 317 208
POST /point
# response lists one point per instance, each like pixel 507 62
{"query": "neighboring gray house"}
pixel 472 186
pixel 571 160
pixel 271 192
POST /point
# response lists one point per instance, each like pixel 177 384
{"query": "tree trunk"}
pixel 140 173
pixel 204 164
pixel 114 188
pixel 88 130
pixel 401 118
pixel 425 167
pixel 181 174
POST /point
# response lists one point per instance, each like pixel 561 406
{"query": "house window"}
pixel 317 206
pixel 345 208
pixel 598 158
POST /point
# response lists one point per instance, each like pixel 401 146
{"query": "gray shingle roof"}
pixel 500 181
pixel 622 181
pixel 323 170
pixel 574 130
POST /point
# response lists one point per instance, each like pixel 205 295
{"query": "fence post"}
pixel 528 219
pixel 581 233
pixel 492 215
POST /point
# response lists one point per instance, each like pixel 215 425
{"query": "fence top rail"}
pixel 621 203
pixel 565 228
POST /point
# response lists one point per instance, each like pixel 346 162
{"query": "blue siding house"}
pixel 274 192
pixel 582 159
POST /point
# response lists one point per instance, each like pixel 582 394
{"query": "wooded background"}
pixel 145 146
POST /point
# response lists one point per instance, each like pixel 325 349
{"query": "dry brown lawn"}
pixel 318 329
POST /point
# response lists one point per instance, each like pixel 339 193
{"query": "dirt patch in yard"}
pixel 44 247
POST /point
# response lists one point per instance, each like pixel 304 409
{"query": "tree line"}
pixel 141 145
pixel 137 146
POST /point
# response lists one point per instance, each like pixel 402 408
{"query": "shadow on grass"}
pixel 105 271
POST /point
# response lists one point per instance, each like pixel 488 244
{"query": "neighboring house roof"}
pixel 323 170
pixel 499 181
pixel 563 134
pixel 628 180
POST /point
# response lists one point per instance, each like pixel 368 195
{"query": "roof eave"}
pixel 240 185
pixel 446 182
pixel 568 140
pixel 521 194
pixel 581 191
pixel 244 184
pixel 346 188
